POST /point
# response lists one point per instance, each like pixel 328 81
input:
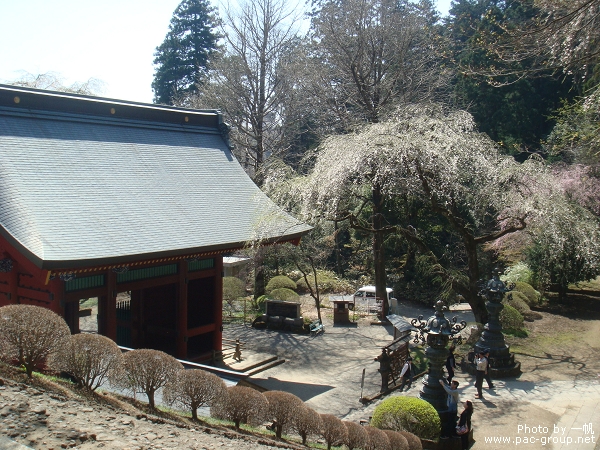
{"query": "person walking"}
pixel 463 428
pixel 486 353
pixel 481 364
pixel 406 373
pixel 237 354
pixel 451 363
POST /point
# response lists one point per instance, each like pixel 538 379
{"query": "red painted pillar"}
pixel 218 301
pixel 182 311
pixel 13 284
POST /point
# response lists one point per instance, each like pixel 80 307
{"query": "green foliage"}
pixel 284 294
pixel 517 300
pixel 233 288
pixel 532 296
pixel 566 250
pixel 407 414
pixel 259 303
pixel 280 282
pixel 511 319
pixel 328 283
pixel 515 113
pixel 576 135
pixel 182 59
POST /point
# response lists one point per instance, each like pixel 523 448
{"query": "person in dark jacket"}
pixel 465 419
pixel 450 363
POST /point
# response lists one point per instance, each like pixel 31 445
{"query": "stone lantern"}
pixel 436 332
pixel 501 362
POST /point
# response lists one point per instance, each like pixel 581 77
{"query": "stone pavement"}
pixel 325 371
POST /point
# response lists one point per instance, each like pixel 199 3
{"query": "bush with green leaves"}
pixel 30 334
pixel 280 282
pixel 287 295
pixel 401 413
pixel 259 303
pixel 328 283
pixel 233 288
pixel 517 300
pixel 532 296
pixel 511 319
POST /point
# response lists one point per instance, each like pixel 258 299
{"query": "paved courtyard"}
pixel 325 371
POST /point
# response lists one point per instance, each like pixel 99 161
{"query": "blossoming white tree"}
pixel 439 158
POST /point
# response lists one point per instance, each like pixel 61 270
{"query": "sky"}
pixel 112 41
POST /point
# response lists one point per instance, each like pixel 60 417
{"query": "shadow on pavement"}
pixel 305 391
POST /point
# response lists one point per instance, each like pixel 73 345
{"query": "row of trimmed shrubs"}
pixel 32 336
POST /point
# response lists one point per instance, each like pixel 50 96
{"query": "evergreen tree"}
pixel 182 59
pixel 514 110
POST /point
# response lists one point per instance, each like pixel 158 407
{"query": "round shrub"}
pixel 90 359
pixel 414 443
pixel 407 414
pixel 328 283
pixel 517 300
pixel 532 296
pixel 510 318
pixel 30 334
pixel 280 282
pixel 233 288
pixel 284 294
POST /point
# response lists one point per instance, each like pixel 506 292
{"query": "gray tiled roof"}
pixel 76 191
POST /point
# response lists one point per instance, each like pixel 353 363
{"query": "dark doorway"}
pixel 159 318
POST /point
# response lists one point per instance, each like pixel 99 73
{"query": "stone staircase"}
pixel 251 363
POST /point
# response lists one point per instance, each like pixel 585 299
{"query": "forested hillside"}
pixel 425 150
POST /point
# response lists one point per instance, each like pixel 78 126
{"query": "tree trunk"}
pixel 472 296
pixel 259 274
pixel 150 395
pixel 379 252
pixel 338 256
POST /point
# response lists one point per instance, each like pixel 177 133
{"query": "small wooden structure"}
pixel 399 348
pixel 341 311
pixel 100 197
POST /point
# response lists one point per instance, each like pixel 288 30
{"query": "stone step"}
pixel 266 366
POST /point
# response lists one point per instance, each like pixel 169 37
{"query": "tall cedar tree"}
pixel 182 59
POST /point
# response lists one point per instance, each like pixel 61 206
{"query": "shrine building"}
pixel 100 197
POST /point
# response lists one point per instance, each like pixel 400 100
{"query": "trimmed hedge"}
pixel 280 282
pixel 517 300
pixel 410 414
pixel 284 294
pixel 532 296
pixel 328 282
pixel 510 318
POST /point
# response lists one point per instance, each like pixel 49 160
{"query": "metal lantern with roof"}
pixel 436 332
